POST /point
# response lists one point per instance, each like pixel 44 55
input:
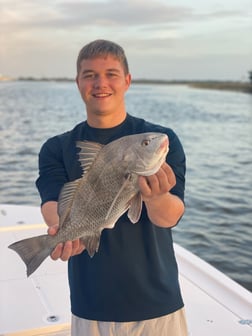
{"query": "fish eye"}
pixel 145 142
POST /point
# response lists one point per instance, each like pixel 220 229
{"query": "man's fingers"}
pixel 56 253
pixel 68 249
pixel 77 246
pixel 169 174
pixel 52 230
pixel 144 186
pixel 160 183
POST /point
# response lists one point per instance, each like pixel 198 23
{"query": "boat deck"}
pixel 39 305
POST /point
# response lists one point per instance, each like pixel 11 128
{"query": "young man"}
pixel 130 287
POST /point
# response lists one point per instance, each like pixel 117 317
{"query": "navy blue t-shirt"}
pixel 134 274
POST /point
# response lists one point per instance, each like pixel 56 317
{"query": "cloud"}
pixel 117 13
pixel 112 13
pixel 48 34
pixel 72 14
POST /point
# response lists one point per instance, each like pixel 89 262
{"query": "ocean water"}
pixel 215 128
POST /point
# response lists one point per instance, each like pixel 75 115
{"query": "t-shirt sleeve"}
pixel 52 172
pixel 177 160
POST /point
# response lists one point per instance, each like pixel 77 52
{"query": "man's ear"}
pixel 77 81
pixel 128 80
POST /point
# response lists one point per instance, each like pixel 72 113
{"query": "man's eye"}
pixel 112 74
pixel 88 76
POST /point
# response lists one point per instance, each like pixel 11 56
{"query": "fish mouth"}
pixel 157 166
pixel 164 147
pixel 165 143
pixel 151 170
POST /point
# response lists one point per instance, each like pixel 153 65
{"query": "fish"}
pixel 107 189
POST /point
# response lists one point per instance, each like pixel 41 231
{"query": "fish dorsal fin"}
pixel 88 153
pixel 135 208
pixel 124 185
pixel 66 199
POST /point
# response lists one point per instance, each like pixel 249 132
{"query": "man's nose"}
pixel 100 82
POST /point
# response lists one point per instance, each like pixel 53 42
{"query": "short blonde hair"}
pixel 102 48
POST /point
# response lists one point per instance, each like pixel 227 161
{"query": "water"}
pixel 215 128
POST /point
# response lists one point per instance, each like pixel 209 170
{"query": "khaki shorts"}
pixel 169 325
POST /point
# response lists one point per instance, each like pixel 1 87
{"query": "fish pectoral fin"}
pixel 135 208
pixel 124 185
pixel 66 199
pixel 88 153
pixel 92 243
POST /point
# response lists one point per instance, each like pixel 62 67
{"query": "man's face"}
pixel 102 84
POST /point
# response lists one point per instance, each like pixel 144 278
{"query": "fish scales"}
pixel 93 200
pixel 106 190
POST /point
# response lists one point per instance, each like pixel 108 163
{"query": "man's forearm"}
pixel 50 213
pixel 165 210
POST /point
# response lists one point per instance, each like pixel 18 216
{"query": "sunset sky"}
pixel 176 39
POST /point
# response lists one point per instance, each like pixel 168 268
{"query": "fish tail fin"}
pixel 92 243
pixel 33 251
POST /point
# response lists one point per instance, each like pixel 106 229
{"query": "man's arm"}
pixel 50 213
pixel 64 250
pixel 164 209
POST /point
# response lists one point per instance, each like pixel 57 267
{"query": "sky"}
pixel 163 39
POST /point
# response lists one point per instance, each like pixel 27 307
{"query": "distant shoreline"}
pixel 245 87
pixel 212 85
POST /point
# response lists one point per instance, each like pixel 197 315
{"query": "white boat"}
pixel 39 305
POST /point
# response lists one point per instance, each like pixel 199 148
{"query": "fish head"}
pixel 147 152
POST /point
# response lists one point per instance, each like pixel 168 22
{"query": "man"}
pixel 130 287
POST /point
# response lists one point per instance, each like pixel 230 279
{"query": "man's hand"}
pixel 164 209
pixel 158 184
pixel 65 250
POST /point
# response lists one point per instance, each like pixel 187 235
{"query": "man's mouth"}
pixel 101 95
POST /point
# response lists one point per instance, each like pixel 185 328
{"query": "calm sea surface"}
pixel 215 128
